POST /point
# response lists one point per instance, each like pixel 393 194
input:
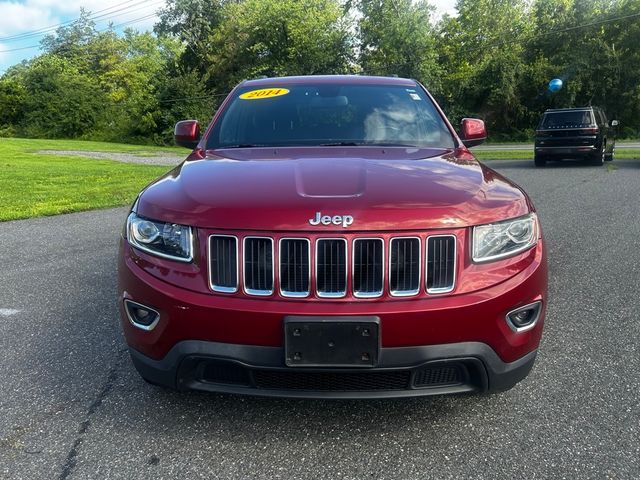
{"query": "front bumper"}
pixel 567 151
pixel 444 344
pixel 401 372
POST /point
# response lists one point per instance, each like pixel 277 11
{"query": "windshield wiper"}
pixel 366 144
pixel 391 145
pixel 243 145
pixel 331 144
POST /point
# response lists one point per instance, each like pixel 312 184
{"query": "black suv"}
pixel 575 133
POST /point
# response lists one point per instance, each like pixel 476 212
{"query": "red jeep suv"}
pixel 332 236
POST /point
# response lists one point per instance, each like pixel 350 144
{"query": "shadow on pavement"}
pixel 564 164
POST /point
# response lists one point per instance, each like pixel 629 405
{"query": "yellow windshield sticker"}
pixel 264 93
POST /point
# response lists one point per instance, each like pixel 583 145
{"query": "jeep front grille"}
pixel 333 267
pixel 441 254
pixel 223 258
pixel 258 265
pixel 294 267
pixel 404 266
pixel 368 267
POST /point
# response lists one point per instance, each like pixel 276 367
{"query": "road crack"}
pixel 71 460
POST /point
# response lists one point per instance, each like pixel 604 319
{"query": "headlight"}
pixel 503 239
pixel 166 240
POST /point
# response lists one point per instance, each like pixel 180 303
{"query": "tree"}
pixel 396 37
pixel 598 61
pixel 13 96
pixel 61 102
pixel 72 41
pixel 131 77
pixel 94 84
pixel 193 23
pixel 481 53
pixel 183 96
pixel 279 37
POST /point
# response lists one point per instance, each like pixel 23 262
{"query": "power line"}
pixel 600 22
pixel 560 30
pixel 29 33
pixel 385 69
pixel 115 13
pixel 130 22
pixel 21 48
pixel 43 30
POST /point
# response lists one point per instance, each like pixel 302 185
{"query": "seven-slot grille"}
pixel 404 266
pixel 331 260
pixel 223 263
pixel 331 267
pixel 441 271
pixel 368 267
pixel 258 265
pixel 294 267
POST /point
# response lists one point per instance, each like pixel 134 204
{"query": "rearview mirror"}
pixel 614 123
pixel 187 133
pixel 473 132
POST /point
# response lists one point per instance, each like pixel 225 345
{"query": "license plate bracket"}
pixel 331 341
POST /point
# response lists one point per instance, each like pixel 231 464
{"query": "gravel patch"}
pixel 156 158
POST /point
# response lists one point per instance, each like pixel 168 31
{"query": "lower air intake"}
pixel 330 381
pixel 225 373
pixel 438 376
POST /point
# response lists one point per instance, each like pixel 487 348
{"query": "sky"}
pixel 23 23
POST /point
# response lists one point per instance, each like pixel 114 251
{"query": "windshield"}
pixel 578 119
pixel 331 115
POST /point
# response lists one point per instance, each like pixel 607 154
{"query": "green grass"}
pixel 503 154
pixel 621 154
pixel 34 185
pixel 35 145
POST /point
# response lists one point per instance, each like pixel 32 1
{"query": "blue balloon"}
pixel 555 85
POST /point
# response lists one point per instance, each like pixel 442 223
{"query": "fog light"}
pixel 524 318
pixel 521 318
pixel 141 316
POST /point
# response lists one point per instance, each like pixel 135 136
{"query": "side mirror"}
pixel 614 123
pixel 187 133
pixel 473 132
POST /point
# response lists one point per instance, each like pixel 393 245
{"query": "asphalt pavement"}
pixel 72 406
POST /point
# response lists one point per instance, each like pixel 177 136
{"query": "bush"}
pixel 8 131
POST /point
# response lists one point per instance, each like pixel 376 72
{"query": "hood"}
pixel 380 188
